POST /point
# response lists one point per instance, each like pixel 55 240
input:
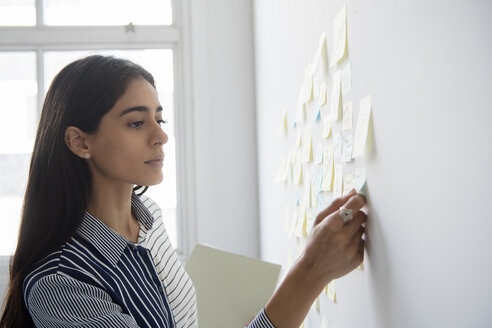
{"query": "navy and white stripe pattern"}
pixel 99 279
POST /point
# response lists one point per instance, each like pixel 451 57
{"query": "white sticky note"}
pixel 360 180
pixel 335 97
pixel 346 79
pixel 348 183
pixel 362 127
pixel 307 146
pixel 320 54
pixel 347 143
pixel 337 146
pixel 319 153
pixel 337 181
pixel 322 94
pixel 299 138
pixel 347 116
pixel 282 127
pixel 308 83
pixel 331 291
pixel 293 224
pixel 326 128
pixel 339 36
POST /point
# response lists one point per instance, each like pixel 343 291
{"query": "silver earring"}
pixel 87 155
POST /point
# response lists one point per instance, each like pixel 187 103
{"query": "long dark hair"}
pixel 59 181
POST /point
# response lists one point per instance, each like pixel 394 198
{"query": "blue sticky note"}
pixel 317 114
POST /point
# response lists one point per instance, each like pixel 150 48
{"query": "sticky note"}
pixel 319 153
pixel 299 138
pixel 317 114
pixel 347 143
pixel 335 97
pixel 320 54
pixel 324 322
pixel 307 145
pixel 347 116
pixel 301 106
pixel 322 94
pixel 281 171
pixel 346 79
pixel 348 183
pixel 360 181
pixel 362 127
pixel 331 291
pixel 337 181
pixel 327 168
pixel 282 127
pixel 297 173
pixel 339 36
pixel 337 146
pixel 326 128
pixel 318 182
pixel 314 197
pixel 307 193
pixel 308 84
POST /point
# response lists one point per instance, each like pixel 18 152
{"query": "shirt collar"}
pixel 110 244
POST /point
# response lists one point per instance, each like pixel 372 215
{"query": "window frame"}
pixel 41 38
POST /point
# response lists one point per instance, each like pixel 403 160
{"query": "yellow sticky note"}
pixel 307 150
pixel 304 223
pixel 322 94
pixel 332 294
pixel 348 183
pixel 308 84
pixel 335 97
pixel 317 307
pixel 362 127
pixel 326 127
pixel 282 127
pixel 337 181
pixel 297 173
pixel 299 138
pixel 347 116
pixel 339 36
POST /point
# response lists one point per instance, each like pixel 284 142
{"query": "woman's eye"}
pixel 136 124
pixel 161 122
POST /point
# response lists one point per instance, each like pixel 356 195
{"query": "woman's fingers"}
pixel 353 225
pixel 334 206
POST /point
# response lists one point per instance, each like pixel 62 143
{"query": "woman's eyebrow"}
pixel 139 109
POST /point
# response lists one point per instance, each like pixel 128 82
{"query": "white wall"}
pixel 427 66
pixel 225 119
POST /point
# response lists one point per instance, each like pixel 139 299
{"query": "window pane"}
pixel 108 12
pixel 159 62
pixel 18 94
pixel 17 13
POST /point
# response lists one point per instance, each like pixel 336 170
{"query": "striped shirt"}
pixel 100 279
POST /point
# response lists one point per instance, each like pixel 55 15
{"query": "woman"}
pixel 93 253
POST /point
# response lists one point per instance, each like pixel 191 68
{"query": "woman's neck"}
pixel 112 205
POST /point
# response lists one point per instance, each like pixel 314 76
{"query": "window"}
pixel 38 38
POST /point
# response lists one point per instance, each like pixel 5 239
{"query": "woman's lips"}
pixel 158 161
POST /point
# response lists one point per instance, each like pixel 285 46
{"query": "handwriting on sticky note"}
pixel 347 143
pixel 346 79
pixel 347 116
pixel 362 127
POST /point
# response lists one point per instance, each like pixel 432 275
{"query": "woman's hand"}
pixel 334 248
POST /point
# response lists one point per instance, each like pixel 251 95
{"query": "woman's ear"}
pixel 76 141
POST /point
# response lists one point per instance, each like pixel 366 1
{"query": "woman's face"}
pixel 127 147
